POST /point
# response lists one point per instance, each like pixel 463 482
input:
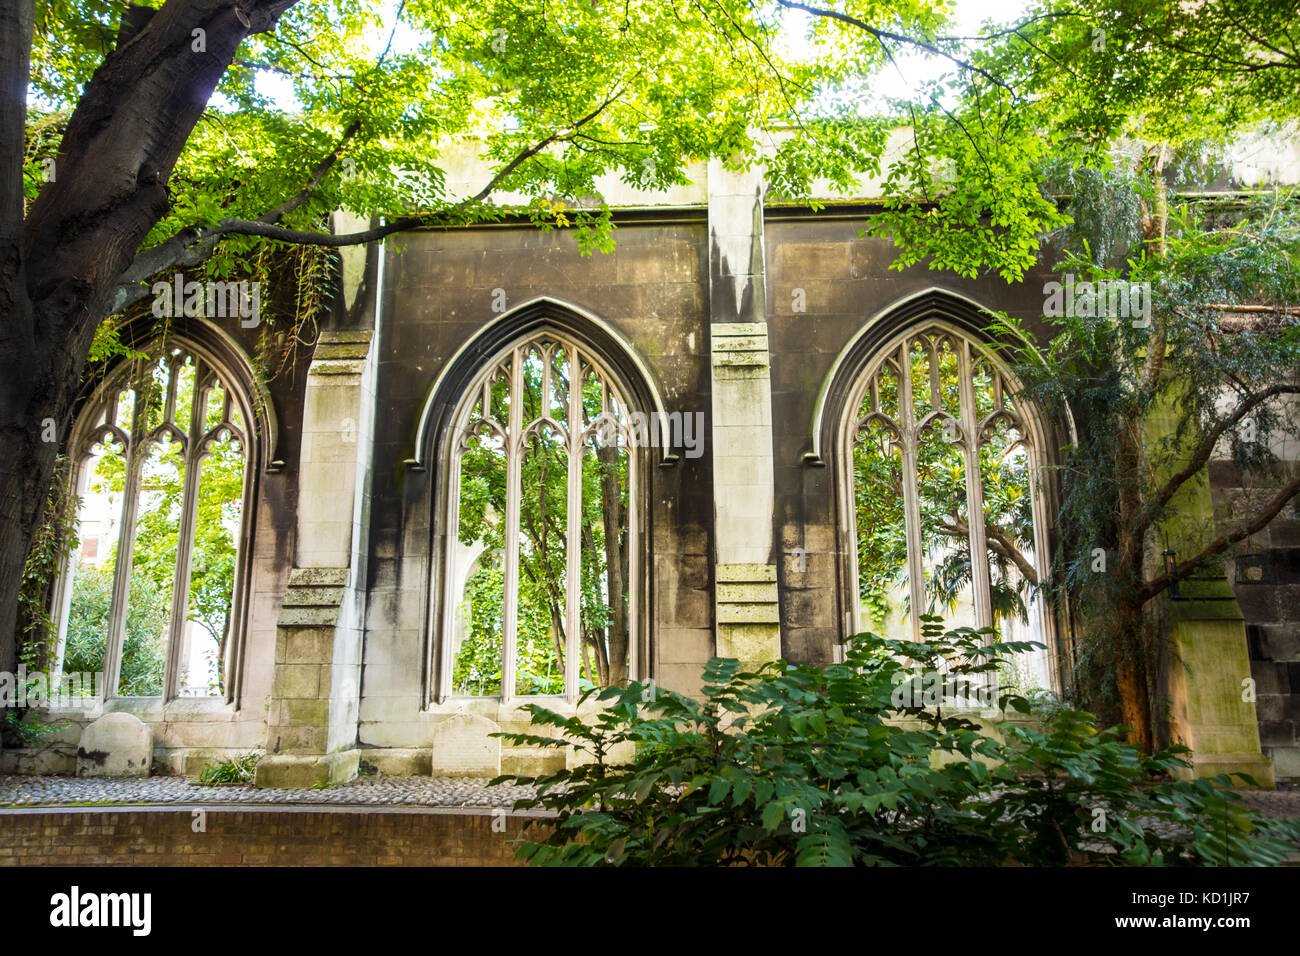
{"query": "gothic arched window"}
pixel 152 600
pixel 542 527
pixel 933 437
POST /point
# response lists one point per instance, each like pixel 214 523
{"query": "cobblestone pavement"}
pixel 24 791
pixel 1282 802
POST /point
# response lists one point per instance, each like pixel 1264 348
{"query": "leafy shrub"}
pixel 236 770
pixel 805 765
pixel 143 651
pixel 22 727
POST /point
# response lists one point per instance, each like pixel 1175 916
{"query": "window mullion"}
pixel 176 644
pixel 234 654
pixel 635 669
pixel 981 583
pixel 514 453
pixel 135 453
pixel 1046 620
pixel 444 662
pixel 573 533
pixel 911 492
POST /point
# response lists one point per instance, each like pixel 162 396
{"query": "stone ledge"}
pixel 308 616
pixel 313 597
pixel 740 343
pixel 747 592
pixel 318 577
pixel 352 367
pixel 717 329
pixel 741 359
pixel 339 336
pixel 749 614
pixel 745 573
pixel 329 351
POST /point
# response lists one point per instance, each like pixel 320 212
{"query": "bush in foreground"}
pixel 812 766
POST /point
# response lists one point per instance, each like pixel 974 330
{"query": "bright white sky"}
pixel 912 70
pixel 915 68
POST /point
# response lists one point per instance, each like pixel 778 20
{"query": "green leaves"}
pixel 815 769
pixel 825 849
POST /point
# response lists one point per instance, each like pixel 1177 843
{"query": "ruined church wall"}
pixel 845 281
pixel 439 291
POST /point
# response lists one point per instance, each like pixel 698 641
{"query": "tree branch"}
pixel 1000 543
pixel 883 35
pixel 191 246
pixel 997 541
pixel 1204 450
pixel 1222 543
pixel 318 175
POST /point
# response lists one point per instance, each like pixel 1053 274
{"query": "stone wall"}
pixel 825 284
pixel 738 311
pixel 439 294
pixel 1265 574
pixel 356 836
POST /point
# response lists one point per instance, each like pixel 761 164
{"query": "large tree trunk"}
pixel 1131 664
pixel 1136 654
pixel 16 330
pixel 58 267
pixel 1133 676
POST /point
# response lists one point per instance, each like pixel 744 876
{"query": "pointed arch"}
pixel 601 338
pixel 944 491
pixel 963 313
pixel 188 425
pixel 536 436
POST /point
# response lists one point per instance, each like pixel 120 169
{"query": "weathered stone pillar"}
pixel 1210 689
pixel 316 689
pixel 747 616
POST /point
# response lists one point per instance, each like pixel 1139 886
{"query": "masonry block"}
pixel 751 643
pixel 396 762
pixel 462 746
pixel 307 646
pixel 304 772
pixel 311 712
pixel 297 681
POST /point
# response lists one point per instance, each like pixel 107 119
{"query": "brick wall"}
pixel 288 836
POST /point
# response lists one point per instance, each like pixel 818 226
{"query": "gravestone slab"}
pixel 115 745
pixel 462 747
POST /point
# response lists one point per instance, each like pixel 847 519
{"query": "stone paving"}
pixel 25 791
pixel 29 791
pixel 1282 802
